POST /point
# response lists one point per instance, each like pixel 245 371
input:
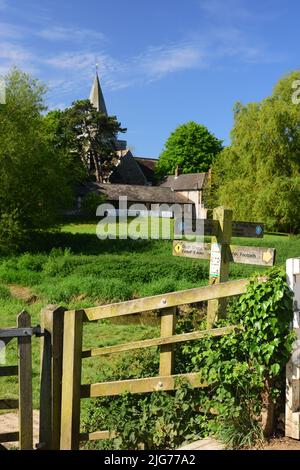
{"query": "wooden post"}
pixel 167 325
pixel 71 380
pixel 52 323
pixel 25 385
pixel 292 406
pixel 219 261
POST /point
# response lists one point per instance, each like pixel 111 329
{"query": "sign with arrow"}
pixel 220 252
pixel 210 227
pixel 237 254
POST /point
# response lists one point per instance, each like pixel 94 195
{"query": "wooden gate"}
pixel 23 333
pixel 72 389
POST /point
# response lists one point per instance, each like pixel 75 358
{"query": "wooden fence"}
pixel 72 389
pixel 24 371
pixel 61 390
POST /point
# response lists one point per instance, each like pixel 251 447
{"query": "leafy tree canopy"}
pixel 86 138
pixel 33 187
pixel 258 175
pixel 191 147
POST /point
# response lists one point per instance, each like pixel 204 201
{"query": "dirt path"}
pixel 9 422
pixel 282 443
pixel 23 293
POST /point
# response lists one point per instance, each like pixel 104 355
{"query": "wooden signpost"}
pixel 238 254
pixel 220 252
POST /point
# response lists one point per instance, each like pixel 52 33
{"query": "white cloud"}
pixel 208 49
pixel 84 63
pixel 62 33
pixel 160 61
pixel 11 31
pixel 153 64
pixel 14 53
pixel 70 71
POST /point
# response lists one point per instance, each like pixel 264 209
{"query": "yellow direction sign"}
pixel 178 248
pixel 267 256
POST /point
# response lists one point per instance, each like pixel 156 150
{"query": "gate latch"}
pixel 21 332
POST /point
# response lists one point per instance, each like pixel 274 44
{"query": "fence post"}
pixel 219 261
pixel 167 326
pixel 71 380
pixel 25 385
pixel 52 323
pixel 292 406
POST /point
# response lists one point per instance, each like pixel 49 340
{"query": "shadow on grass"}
pixel 82 243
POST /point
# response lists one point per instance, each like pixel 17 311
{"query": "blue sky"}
pixel 161 62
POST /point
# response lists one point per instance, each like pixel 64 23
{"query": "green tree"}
pixel 91 137
pixel 258 175
pixel 60 137
pixel 191 147
pixel 33 188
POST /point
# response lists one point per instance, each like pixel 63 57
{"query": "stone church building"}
pixel 134 177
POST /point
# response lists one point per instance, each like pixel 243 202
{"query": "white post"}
pixel 292 406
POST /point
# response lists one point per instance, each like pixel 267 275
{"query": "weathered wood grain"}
pixel 171 299
pixel 167 329
pixel 146 343
pixel 25 385
pixel 52 323
pixel 150 384
pixel 71 380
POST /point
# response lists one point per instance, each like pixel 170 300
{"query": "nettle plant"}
pixel 245 373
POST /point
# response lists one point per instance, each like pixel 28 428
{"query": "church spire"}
pixel 96 96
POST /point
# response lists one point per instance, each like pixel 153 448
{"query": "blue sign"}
pixel 259 230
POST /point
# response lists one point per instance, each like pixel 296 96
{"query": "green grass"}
pixel 76 269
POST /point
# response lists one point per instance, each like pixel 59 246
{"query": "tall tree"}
pixel 33 188
pixel 92 137
pixel 60 137
pixel 258 175
pixel 191 147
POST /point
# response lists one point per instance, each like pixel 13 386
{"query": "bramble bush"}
pixel 244 372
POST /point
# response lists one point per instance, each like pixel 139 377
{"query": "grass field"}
pixel 75 269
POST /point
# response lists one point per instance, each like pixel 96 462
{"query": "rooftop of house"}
pixel 134 193
pixel 185 182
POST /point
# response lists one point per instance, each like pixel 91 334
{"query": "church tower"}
pixel 97 100
pixel 96 96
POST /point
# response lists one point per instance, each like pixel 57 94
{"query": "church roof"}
pixel 96 96
pixel 147 165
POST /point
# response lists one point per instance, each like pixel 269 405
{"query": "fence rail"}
pixel 147 343
pixel 172 299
